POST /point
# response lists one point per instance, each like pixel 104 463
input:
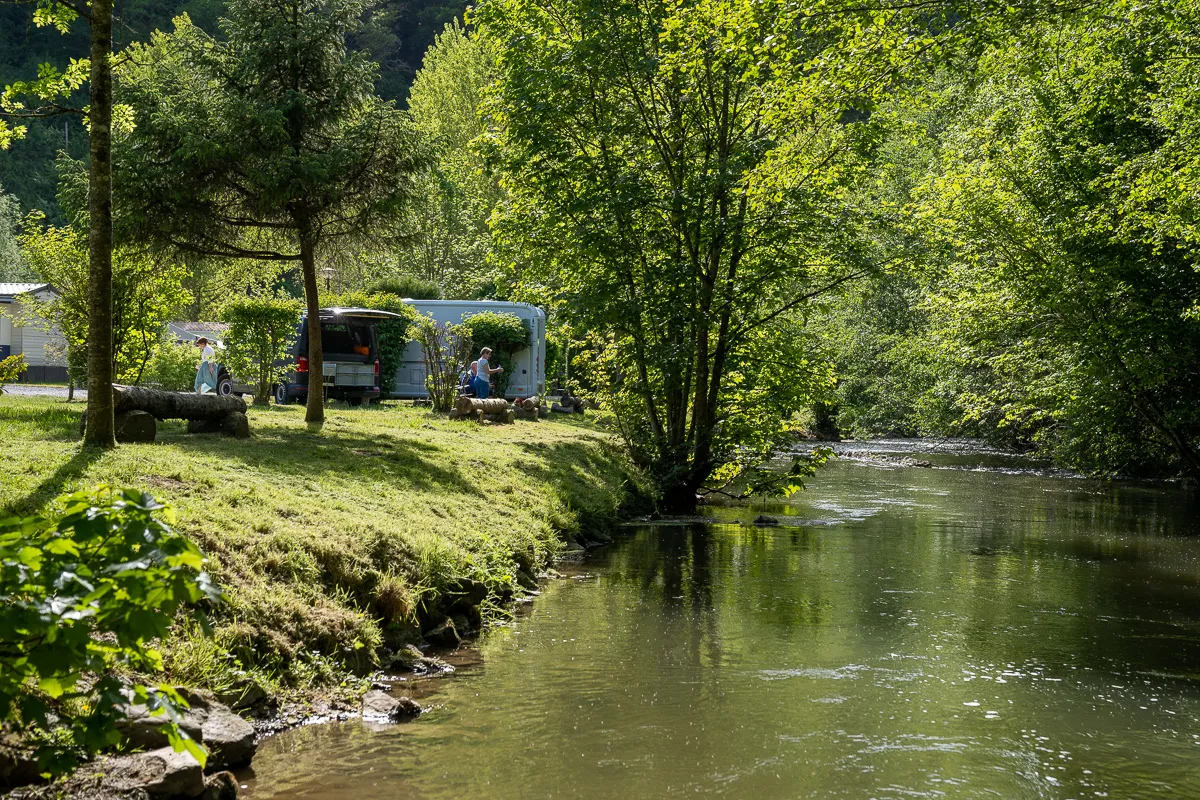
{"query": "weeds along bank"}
pixel 337 546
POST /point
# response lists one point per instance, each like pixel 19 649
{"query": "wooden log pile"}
pixel 495 409
pixel 138 409
pixel 528 409
pixel 569 405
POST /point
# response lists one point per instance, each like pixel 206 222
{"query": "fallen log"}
pixel 467 405
pixel 175 405
pixel 526 413
pixel 135 426
pixel 530 403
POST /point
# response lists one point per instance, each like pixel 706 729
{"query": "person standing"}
pixel 206 374
pixel 484 373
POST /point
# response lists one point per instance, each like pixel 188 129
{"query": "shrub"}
pixel 507 334
pixel 394 334
pixel 447 349
pixel 83 596
pixel 409 286
pixel 261 332
pixel 172 367
pixel 11 369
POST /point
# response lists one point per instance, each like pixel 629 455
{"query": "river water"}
pixel 975 629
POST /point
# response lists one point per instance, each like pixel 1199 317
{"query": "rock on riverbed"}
pixel 379 706
pixel 228 737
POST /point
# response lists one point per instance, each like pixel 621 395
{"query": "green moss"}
pixel 329 541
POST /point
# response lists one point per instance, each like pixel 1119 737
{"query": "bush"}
pixel 172 367
pixel 407 286
pixel 447 348
pixel 394 334
pixel 507 334
pixel 261 333
pixel 11 369
pixel 84 595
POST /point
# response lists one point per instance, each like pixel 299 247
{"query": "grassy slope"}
pixel 330 542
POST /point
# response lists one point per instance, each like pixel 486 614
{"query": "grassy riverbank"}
pixel 333 544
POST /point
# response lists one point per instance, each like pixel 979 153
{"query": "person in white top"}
pixel 206 374
pixel 484 373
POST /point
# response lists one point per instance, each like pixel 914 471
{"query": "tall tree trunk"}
pixel 100 428
pixel 315 411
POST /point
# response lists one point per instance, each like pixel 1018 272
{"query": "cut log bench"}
pixel 138 410
pixel 495 409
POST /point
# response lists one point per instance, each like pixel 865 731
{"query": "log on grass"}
pixel 530 403
pixel 176 405
pixel 467 405
pixel 526 413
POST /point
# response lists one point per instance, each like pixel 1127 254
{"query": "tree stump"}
pixel 136 426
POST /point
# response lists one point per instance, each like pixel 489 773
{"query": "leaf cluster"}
pixel 85 595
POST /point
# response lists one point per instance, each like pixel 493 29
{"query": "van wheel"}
pixel 281 395
pixel 224 387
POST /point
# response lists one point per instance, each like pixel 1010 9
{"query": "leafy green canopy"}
pixel 146 291
pixel 84 597
pixel 678 177
pixel 268 143
pixel 172 367
pixel 261 333
pixel 451 243
pixel 1052 190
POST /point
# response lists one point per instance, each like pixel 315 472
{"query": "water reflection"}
pixel 925 633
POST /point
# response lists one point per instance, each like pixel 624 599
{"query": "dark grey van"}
pixel 351 355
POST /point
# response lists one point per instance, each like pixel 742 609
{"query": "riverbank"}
pixel 338 547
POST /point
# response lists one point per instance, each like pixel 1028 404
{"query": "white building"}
pixel 44 351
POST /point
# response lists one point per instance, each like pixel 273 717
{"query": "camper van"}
pixel 526 377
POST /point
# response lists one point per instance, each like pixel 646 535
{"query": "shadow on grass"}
pixel 409 463
pixel 591 479
pixel 53 485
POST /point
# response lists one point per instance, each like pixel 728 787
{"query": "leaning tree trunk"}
pixel 315 412
pixel 100 421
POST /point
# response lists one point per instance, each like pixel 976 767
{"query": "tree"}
pixel 12 263
pixel 48 88
pixel 145 291
pixel 1070 268
pixel 259 339
pixel 447 348
pixel 451 243
pixel 677 174
pixel 267 143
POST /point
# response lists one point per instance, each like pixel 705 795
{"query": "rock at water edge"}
pixel 228 737
pixel 381 706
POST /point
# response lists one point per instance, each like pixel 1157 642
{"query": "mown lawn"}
pixel 331 542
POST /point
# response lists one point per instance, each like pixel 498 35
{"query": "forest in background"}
pixel 396 35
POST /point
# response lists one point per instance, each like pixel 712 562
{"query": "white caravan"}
pixel 528 373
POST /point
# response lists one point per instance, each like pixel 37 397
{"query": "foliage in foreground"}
pixel 84 595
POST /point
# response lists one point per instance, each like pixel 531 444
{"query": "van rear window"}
pixel 339 337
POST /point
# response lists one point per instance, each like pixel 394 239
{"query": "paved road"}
pixel 50 391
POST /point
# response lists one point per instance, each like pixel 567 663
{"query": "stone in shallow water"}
pixel 381 706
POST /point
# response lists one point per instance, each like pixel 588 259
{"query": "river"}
pixel 974 629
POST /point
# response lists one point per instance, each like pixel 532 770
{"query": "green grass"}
pixel 334 542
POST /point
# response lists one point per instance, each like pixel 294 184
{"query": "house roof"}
pixel 9 291
pixel 194 330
